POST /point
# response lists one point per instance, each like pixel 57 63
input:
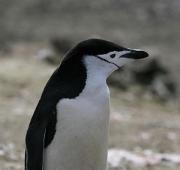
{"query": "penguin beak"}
pixel 135 54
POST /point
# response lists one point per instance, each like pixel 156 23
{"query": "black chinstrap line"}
pixel 107 61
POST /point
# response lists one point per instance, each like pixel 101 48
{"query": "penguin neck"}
pixel 98 67
pixel 97 72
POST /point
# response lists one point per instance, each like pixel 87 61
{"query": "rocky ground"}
pixel 138 125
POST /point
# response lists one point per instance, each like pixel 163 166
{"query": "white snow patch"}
pixel 144 158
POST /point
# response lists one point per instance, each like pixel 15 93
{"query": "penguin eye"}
pixel 112 55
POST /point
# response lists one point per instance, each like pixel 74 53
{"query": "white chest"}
pixel 80 141
pixel 86 112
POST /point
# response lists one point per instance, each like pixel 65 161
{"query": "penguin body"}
pixel 69 128
pixel 86 116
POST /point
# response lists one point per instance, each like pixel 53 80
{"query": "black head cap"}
pixel 93 47
pixel 99 46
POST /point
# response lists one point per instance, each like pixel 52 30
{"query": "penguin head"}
pixel 110 54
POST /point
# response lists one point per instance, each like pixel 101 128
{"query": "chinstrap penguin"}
pixel 69 127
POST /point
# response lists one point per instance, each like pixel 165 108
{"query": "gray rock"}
pixel 151 75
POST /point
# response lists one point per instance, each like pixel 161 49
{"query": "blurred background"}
pixel 145 119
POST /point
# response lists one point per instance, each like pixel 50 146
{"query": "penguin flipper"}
pixel 35 139
pixel 41 129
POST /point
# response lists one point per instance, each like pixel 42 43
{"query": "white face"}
pixel 114 58
pixel 105 64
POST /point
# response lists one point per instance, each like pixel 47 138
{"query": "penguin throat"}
pixel 107 61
